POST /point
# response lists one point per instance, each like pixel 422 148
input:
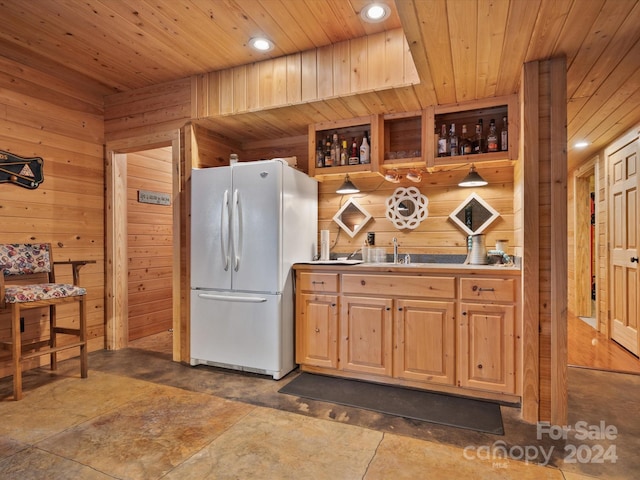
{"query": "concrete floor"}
pixel 141 416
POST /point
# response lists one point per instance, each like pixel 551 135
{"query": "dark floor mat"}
pixel 479 415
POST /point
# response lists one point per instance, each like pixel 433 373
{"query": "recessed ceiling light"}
pixel 260 43
pixel 581 144
pixel 376 12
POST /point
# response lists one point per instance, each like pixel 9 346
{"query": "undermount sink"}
pixel 407 265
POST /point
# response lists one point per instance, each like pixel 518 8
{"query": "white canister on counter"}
pixel 501 245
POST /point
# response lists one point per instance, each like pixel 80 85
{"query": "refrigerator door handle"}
pixel 225 230
pixel 231 298
pixel 237 223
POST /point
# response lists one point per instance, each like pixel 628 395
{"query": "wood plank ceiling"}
pixel 463 50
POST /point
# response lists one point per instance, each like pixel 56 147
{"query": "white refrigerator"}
pixel 250 222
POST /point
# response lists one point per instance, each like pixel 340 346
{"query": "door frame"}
pixel 582 234
pixel 116 265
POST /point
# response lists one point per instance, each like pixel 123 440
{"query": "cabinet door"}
pixel 366 335
pixel 317 330
pixel 486 357
pixel 424 341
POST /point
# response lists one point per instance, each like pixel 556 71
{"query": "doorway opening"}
pixel 150 250
pixel 117 251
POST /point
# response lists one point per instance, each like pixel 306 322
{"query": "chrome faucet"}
pixel 395 250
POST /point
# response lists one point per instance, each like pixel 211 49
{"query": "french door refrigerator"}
pixel 250 222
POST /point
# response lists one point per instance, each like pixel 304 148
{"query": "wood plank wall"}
pixel 544 234
pixel 437 234
pixel 365 64
pixel 57 120
pixel 150 244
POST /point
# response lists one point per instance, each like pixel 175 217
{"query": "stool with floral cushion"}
pixel 28 281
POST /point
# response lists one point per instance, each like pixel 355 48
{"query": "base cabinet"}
pixel 366 335
pixel 450 333
pixel 424 341
pixel 487 339
pixel 317 332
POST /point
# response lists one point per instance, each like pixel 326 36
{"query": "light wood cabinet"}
pixel 450 332
pixel 347 129
pixel 424 345
pixel 317 311
pixel 366 335
pixel 317 332
pixel 408 140
pixel 487 334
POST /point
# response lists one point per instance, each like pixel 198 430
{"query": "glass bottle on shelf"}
pixel 504 136
pixel 453 141
pixel 344 153
pixel 465 147
pixel 492 138
pixel 364 149
pixel 328 160
pixel 335 150
pixel 443 149
pixel 354 156
pixel 479 143
pixel 319 157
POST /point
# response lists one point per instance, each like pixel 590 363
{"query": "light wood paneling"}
pixel 437 234
pixel 150 244
pixel 461 49
pixel 545 239
pixel 50 118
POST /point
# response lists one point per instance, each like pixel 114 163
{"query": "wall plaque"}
pixel 156 198
pixel 23 171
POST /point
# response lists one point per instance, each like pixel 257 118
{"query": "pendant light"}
pixel 473 179
pixel 347 187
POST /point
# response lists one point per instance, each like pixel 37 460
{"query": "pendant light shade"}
pixel 473 179
pixel 347 187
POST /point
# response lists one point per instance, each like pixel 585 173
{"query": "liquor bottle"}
pixel 319 157
pixel 344 153
pixel 335 150
pixel 354 156
pixel 492 138
pixel 364 149
pixel 328 160
pixel 479 143
pixel 466 148
pixel 453 141
pixel 443 149
pixel 504 136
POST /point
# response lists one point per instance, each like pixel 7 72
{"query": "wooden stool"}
pixel 29 268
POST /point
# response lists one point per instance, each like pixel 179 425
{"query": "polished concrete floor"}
pixel 141 416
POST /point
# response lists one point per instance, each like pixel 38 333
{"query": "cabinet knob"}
pixel 464 313
pixel 480 367
pixel 634 259
pixel 362 282
pixel 399 309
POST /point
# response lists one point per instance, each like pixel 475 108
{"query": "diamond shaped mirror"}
pixel 474 215
pixel 352 217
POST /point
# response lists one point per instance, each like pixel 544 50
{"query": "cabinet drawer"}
pixel 488 289
pixel 318 282
pixel 403 285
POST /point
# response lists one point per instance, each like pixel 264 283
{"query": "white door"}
pixel 256 219
pixel 623 238
pixel 210 245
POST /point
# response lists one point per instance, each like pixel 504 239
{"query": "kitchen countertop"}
pixel 418 268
